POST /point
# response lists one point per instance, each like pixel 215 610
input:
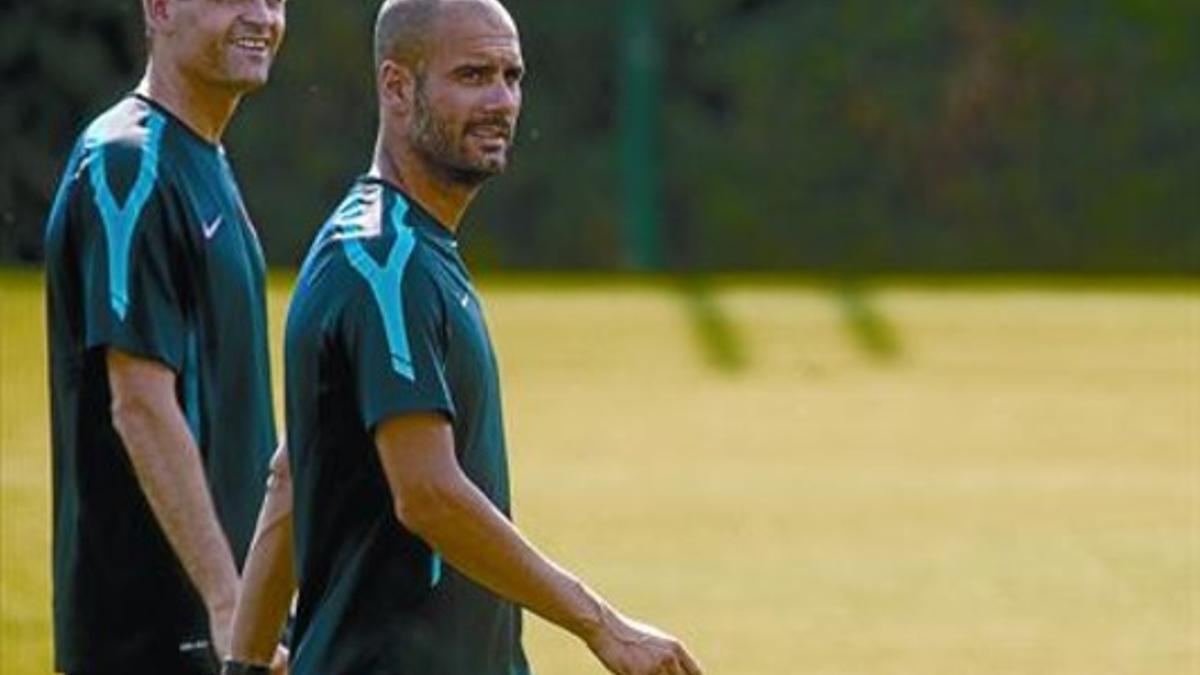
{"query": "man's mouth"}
pixel 492 133
pixel 258 46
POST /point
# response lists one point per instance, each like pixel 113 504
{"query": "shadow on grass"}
pixel 724 350
pixel 867 326
pixel 716 333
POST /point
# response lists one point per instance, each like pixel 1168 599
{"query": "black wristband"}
pixel 232 667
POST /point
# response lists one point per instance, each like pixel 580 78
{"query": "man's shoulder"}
pixel 368 231
pixel 114 165
pixel 120 149
pixel 129 129
pixel 361 216
pixel 375 266
pixel 366 277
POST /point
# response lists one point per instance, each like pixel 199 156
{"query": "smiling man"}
pixel 408 560
pixel 161 403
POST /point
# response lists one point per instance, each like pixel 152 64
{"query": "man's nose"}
pixel 261 13
pixel 504 97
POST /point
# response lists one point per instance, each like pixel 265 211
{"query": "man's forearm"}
pixel 171 475
pixel 474 537
pixel 268 579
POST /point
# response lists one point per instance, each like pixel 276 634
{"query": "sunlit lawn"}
pixel 1012 486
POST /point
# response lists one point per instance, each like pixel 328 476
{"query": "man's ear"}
pixel 155 13
pixel 397 85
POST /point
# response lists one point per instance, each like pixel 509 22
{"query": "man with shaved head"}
pixel 162 420
pixel 408 561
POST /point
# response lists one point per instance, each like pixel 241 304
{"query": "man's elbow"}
pixel 132 416
pixel 425 507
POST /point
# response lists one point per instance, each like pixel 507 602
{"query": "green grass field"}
pixel 1010 485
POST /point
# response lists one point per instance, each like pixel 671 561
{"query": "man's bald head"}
pixel 404 28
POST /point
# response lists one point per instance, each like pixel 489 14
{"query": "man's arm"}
pixel 168 468
pixel 436 501
pixel 268 578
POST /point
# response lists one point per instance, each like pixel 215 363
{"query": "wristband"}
pixel 232 667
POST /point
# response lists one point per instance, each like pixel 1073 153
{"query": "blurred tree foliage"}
pixel 928 135
pixel 60 60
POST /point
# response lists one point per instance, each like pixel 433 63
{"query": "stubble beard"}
pixel 218 70
pixel 434 140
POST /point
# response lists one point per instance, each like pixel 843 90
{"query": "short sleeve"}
pixel 397 347
pixel 128 259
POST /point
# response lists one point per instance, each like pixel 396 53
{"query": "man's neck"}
pixel 205 110
pixel 445 201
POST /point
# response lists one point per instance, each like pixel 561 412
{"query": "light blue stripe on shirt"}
pixel 121 220
pixel 385 286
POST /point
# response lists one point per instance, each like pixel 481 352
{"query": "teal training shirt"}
pixel 148 250
pixel 384 322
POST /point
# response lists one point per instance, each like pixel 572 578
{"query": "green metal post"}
pixel 639 120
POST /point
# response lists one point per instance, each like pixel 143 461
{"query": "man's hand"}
pixel 627 647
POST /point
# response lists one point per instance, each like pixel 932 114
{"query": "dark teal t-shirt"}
pixel 148 250
pixel 384 322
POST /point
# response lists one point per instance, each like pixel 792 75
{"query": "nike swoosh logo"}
pixel 464 300
pixel 211 228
